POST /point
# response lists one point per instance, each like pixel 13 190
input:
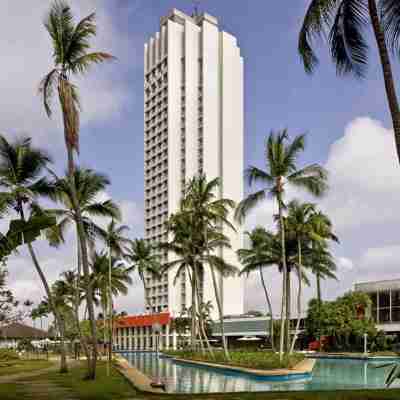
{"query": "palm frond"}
pixel 248 204
pixel 46 89
pixel 316 21
pixel 349 49
pixel 83 63
pixel 390 21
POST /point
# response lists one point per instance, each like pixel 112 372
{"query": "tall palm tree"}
pixel 210 215
pixel 344 23
pixel 323 263
pixel 255 258
pixel 281 171
pixel 22 168
pixel 299 224
pixel 72 56
pixel 143 259
pixel 89 186
pixel 120 278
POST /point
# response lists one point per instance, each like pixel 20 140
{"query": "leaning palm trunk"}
pixel 221 313
pixel 69 118
pixel 299 294
pixel 57 316
pixel 387 72
pixel 283 311
pixel 271 327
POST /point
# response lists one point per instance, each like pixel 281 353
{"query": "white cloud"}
pixel 362 203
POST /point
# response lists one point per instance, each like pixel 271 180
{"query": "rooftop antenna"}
pixel 196 6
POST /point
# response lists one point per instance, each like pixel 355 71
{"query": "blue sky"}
pixel 347 122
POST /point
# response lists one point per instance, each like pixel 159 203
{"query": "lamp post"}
pixel 365 343
pixel 157 330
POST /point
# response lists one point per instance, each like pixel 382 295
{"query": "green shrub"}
pixel 8 355
pixel 247 359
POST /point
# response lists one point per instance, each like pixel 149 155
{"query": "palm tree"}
pixel 210 215
pixel 114 238
pixel 89 186
pixel 21 176
pixel 142 259
pixel 257 257
pixel 110 278
pixel 71 56
pixel 344 23
pixel 300 224
pixel 281 159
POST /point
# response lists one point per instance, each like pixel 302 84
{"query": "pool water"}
pixel 328 374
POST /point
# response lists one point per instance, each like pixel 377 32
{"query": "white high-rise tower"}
pixel 193 106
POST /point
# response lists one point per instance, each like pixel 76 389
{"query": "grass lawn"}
pixel 17 366
pixel 246 359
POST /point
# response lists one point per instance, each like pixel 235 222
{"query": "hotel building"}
pixel 193 123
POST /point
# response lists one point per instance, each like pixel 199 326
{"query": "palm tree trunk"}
pixel 271 327
pixel 57 316
pixel 288 309
pixel 193 315
pixel 299 294
pixel 82 338
pixel 221 313
pixel 202 329
pixel 318 279
pixel 387 72
pixel 284 271
pixel 85 264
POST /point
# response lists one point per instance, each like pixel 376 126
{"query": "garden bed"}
pixel 259 360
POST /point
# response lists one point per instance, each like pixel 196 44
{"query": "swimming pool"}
pixel 328 374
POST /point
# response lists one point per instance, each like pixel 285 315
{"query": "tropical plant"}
pixel 143 260
pixel 281 171
pixel 343 23
pixel 71 44
pixel 22 168
pixel 209 216
pixel 254 259
pixel 109 279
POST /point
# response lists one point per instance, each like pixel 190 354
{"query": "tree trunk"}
pixel 284 271
pixel 387 72
pixel 82 337
pixel 299 294
pixel 202 329
pixel 57 316
pixel 85 264
pixel 193 315
pixel 271 327
pixel 221 313
pixel 319 296
pixel 288 309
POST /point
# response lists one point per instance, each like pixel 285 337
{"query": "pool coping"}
pixel 142 382
pixel 348 356
pixel 304 367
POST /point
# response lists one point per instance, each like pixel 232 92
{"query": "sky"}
pixel 346 120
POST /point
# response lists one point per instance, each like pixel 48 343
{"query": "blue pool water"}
pixel 328 374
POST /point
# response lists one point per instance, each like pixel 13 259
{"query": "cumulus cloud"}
pixel 362 203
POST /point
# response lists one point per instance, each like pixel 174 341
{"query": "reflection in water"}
pixel 327 374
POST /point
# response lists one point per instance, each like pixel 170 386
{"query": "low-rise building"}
pixel 385 296
pixel 12 334
pixel 136 332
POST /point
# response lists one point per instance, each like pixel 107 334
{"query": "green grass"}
pixel 16 366
pixel 113 387
pixel 247 359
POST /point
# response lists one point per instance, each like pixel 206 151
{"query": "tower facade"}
pixel 193 123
